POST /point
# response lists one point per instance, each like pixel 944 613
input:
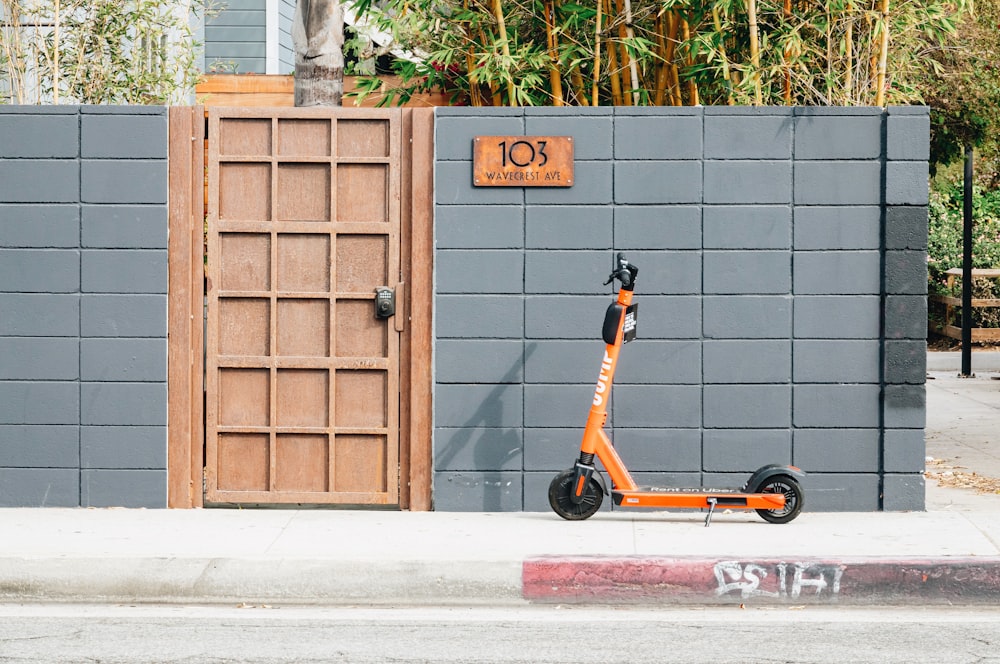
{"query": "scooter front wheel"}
pixel 792 490
pixel 560 491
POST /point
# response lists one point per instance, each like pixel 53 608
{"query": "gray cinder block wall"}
pixel 781 291
pixel 83 306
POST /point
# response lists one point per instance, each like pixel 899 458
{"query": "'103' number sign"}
pixel 522 161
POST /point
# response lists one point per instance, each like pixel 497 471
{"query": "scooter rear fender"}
pixel 772 470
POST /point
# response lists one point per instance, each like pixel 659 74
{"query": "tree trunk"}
pixel 318 35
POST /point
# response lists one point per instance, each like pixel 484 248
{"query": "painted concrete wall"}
pixel 238 36
pixel 782 308
pixel 83 306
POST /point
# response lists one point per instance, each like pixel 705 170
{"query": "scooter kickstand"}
pixel 712 502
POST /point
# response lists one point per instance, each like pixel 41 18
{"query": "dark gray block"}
pixel 656 406
pixel 657 227
pixel 39 487
pixel 39 181
pixel 747 361
pixel 551 449
pixel 123 488
pixel 906 183
pixel 673 450
pixel 557 406
pixel 478 449
pixel 838 183
pixel 128 447
pixel 571 272
pixel 123 181
pixel 129 109
pixel 744 182
pixel 837 272
pixel 123 315
pixel 39 446
pixel 836 317
pixel 836 361
pixel 664 112
pixel 839 227
pixel 836 406
pixel 745 450
pixel 39 137
pixel 665 317
pixel 664 272
pixel 908 137
pixel 903 493
pixel 39 226
pixel 39 270
pixel 857 137
pixel 69 109
pixel 453 186
pixel 591 186
pixel 905 451
pixel 39 358
pixel 453 139
pixel 479 361
pixel 124 226
pixel 747 272
pixel 906 272
pixel 123 137
pixel 123 404
pixel 39 402
pixel 837 450
pixel 677 137
pixel 474 406
pixel 479 227
pixel 747 317
pixel 657 182
pixel 125 360
pixel 748 137
pixel 905 407
pixel 652 362
pixel 481 271
pixel 906 361
pixel 477 492
pixel 39 314
pixel 591 135
pixel 842 492
pixel 479 316
pixel 563 361
pixel 906 227
pixel 564 316
pixel 748 406
pixel 568 227
pixel 123 271
pixel 905 317
pixel 748 227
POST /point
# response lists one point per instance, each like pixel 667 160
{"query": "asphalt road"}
pixel 270 635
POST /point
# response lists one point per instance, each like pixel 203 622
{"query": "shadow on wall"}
pixel 493 448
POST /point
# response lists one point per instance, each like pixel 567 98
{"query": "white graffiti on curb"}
pixel 772 579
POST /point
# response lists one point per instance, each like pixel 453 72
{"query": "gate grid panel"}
pixel 302 377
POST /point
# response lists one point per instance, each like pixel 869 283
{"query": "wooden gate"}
pixel 303 380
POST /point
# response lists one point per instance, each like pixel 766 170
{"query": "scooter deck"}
pixel 697 498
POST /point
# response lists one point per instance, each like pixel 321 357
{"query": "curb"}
pixel 764 581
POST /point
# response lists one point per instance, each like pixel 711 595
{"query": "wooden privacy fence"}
pixel 308 396
pixel 950 303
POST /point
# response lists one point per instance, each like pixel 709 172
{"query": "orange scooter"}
pixel 775 491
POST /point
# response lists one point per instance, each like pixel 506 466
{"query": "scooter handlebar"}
pixel 625 272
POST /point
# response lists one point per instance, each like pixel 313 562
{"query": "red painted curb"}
pixel 771 580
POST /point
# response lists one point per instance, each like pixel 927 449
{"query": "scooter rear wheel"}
pixel 559 497
pixel 793 498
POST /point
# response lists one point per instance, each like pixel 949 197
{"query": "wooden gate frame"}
pixel 186 372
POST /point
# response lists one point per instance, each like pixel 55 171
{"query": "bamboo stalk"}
pixel 722 55
pixel 505 49
pixel 673 84
pixel 849 55
pixel 660 92
pixel 883 56
pixel 754 50
pixel 597 54
pixel 633 67
pixel 555 78
pixel 625 58
pixel 56 73
pixel 616 88
pixel 692 85
pixel 786 14
pixel 576 78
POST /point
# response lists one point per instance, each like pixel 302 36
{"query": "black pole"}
pixel 967 268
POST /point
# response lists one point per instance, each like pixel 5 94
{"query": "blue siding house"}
pixel 251 37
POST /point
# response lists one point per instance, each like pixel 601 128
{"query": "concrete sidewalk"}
pixel 950 553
